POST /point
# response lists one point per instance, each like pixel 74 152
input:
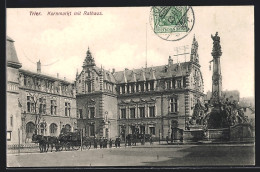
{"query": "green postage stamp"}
pixel 172 23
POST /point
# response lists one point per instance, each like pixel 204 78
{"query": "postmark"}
pixel 172 23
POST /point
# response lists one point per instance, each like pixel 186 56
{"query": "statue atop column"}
pixel 216 51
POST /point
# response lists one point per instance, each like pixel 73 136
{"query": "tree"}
pixel 35 108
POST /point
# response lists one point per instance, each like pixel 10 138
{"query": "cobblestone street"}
pixel 155 155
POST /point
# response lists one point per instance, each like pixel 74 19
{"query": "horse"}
pixel 53 142
pixel 86 142
pixel 41 140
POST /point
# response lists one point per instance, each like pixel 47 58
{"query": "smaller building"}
pixel 36 103
pixel 232 95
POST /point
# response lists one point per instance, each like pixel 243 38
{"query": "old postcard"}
pixel 130 86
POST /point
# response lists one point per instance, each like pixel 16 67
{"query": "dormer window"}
pixel 178 83
pixel 123 89
pixel 132 88
pixel 152 85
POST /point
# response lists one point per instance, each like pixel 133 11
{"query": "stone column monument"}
pixel 216 77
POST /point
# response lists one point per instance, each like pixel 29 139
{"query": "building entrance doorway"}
pixel 174 130
pixel 123 132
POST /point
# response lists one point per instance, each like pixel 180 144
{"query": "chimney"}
pixel 170 61
pixel 57 75
pixel 113 70
pixel 64 78
pixel 39 66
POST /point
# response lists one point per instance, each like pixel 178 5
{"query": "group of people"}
pixel 104 142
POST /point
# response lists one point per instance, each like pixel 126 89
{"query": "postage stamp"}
pixel 172 23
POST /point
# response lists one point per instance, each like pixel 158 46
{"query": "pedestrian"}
pixel 89 144
pixel 110 143
pixel 95 143
pixel 101 142
pixel 129 141
pixel 151 140
pixel 134 139
pixel 104 142
pixel 118 142
pixel 167 139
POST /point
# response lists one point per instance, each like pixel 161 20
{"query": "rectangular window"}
pixel 123 89
pixel 128 88
pixel 42 108
pixel 89 86
pixel 53 107
pixel 92 130
pixel 137 87
pixel 142 112
pixel 167 85
pixel 133 130
pixel 151 111
pixel 152 130
pixel 92 112
pixel 142 129
pixel 67 109
pixel 132 88
pixel 24 81
pixel 80 114
pixel 184 82
pixel 9 135
pixel 173 105
pixel 132 112
pixel 152 85
pixel 178 83
pixel 30 104
pixel 28 107
pixel 146 85
pixel 123 113
pixel 173 83
pixel 142 87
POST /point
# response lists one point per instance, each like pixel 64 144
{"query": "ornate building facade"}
pixel 153 100
pixel 36 101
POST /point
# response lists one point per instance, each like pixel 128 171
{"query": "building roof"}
pixel 152 73
pixel 11 56
pixel 107 75
pixel 40 75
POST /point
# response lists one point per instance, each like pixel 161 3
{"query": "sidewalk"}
pixel 163 144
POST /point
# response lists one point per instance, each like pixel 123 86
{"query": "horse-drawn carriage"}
pixel 132 139
pixel 65 141
pixel 72 140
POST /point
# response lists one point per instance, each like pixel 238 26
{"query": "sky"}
pixel 117 39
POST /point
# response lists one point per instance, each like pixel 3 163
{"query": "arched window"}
pixel 68 127
pixel 53 129
pixel 30 127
